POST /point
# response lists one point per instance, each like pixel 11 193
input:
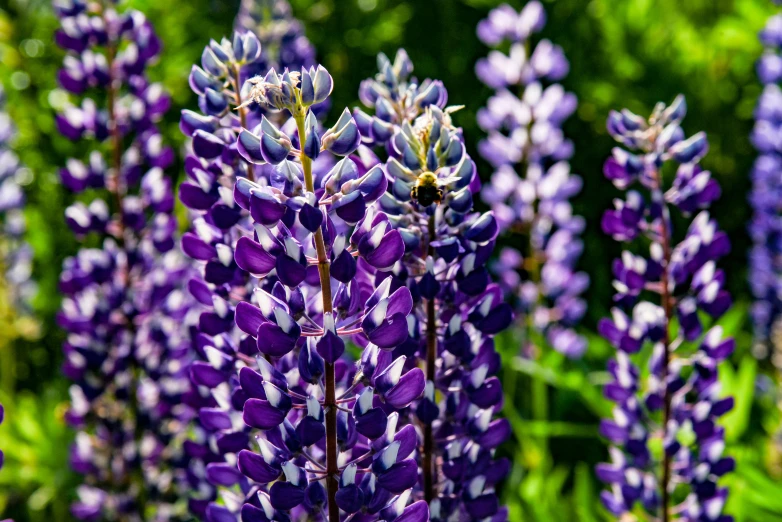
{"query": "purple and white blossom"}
pixel 282 281
pixel 15 254
pixel 532 184
pixel 128 345
pixel 667 446
pixel 765 262
pixel 331 429
pixel 219 224
pixel 456 309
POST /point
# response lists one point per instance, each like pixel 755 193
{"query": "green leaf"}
pixel 742 389
pixel 584 495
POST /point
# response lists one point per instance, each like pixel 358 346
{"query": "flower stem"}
pixel 118 190
pixel 330 399
pixel 667 303
pixel 431 355
pixel 539 387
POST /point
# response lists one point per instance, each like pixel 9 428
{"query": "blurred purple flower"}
pixel 532 184
pixel 15 254
pixel 765 229
pixel 124 308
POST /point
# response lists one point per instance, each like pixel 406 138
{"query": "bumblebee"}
pixel 426 191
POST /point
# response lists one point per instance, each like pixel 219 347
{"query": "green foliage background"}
pixel 623 53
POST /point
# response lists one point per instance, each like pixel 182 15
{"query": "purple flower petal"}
pixel 252 257
pixel 390 332
pixel 274 341
pixel 285 496
pixel 290 271
pixel 249 318
pixel 255 468
pixel 399 477
pixel 214 419
pixel 259 413
pixel 222 474
pixel 409 388
pixel 497 433
pixel 415 512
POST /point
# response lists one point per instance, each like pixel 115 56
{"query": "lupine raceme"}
pixel 765 275
pixel 457 310
pixel 212 168
pixel 331 429
pixel 126 349
pixel 667 446
pixel 15 254
pixel 532 183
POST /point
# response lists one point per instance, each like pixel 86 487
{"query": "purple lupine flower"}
pixel 676 405
pixel 125 312
pixel 212 167
pixel 16 255
pixel 765 275
pixel 332 430
pixel 532 184
pixel 220 226
pixel 456 310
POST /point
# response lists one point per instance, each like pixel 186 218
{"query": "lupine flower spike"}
pixel 15 255
pixel 335 432
pixel 667 448
pixel 127 350
pixel 532 183
pixel 456 310
pixel 765 262
pixel 213 167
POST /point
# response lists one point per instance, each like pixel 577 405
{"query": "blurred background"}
pixel 623 53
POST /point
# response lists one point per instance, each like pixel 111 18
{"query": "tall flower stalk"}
pixel 531 186
pixel 765 262
pixel 127 348
pixel 667 452
pixel 15 254
pixel 456 309
pixel 213 167
pixel 332 431
pixel 16 287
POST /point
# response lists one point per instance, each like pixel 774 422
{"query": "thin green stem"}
pixel 540 402
pixel 119 189
pixel 330 399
